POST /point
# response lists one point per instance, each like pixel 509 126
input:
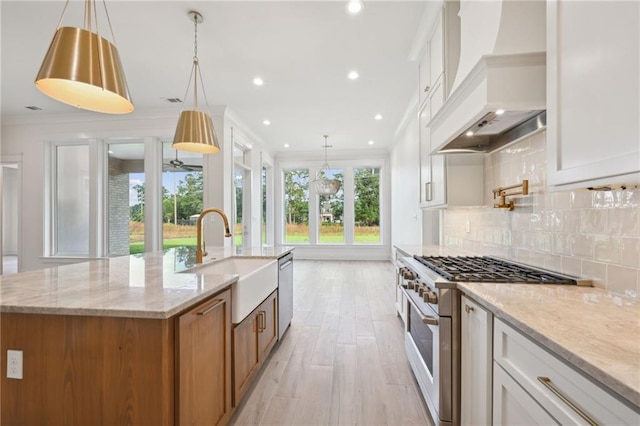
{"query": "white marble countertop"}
pixel 592 329
pixel 137 286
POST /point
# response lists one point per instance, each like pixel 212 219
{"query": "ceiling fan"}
pixel 180 165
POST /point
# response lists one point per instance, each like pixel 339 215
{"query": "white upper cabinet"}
pixel 593 93
pixel 441 52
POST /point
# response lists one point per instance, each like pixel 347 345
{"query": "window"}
pixel 331 211
pixel 366 205
pixel 126 183
pixel 296 206
pixel 182 196
pixel 352 216
pixel 242 194
pixel 71 200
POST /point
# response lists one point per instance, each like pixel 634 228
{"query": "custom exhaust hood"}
pixel 499 93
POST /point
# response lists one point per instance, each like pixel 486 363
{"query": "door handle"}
pixel 211 308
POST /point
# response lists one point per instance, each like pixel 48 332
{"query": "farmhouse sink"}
pixel 258 277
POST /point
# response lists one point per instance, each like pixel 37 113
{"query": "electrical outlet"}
pixel 14 364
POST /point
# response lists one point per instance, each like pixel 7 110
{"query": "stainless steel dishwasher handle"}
pixel 287 263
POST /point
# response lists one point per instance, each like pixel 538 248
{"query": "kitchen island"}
pixel 126 340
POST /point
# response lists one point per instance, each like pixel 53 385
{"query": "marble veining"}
pixel 590 328
pixel 137 286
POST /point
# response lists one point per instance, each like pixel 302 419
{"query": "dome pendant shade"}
pixel 195 133
pixel 84 70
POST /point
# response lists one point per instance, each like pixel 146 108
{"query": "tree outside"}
pixel 177 209
pixel 296 205
pixel 367 205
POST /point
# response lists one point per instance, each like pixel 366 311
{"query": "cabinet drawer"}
pixel 529 364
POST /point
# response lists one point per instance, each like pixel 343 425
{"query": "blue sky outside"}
pixel 170 180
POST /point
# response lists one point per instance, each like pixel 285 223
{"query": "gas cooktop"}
pixel 489 269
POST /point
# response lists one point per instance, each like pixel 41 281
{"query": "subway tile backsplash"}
pixel 592 234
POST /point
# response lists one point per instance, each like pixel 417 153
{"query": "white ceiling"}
pixel 302 49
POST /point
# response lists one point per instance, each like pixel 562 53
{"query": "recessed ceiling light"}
pixel 353 75
pixel 258 81
pixel 378 117
pixel 469 133
pixel 371 142
pixel 499 111
pixel 110 152
pixel 354 6
pixel 266 122
pixel 286 145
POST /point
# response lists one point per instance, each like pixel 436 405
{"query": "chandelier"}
pixel 322 184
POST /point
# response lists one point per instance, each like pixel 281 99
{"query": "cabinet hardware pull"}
pixel 261 321
pixel 426 89
pixel 212 307
pixel 468 308
pixel 547 383
pixel 427 191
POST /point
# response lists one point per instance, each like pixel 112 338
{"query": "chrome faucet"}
pixel 200 250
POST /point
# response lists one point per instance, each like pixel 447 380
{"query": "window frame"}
pixel 348 167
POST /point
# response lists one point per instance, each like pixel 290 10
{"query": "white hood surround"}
pixel 502 66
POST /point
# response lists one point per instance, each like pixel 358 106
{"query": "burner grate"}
pixel 488 269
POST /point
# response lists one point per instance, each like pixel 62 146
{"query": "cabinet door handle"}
pixel 547 383
pixel 426 88
pixel 427 191
pixel 261 321
pixel 468 308
pixel 212 307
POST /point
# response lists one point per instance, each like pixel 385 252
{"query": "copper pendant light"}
pixel 83 69
pixel 195 131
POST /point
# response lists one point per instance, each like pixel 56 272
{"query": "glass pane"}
pixel 182 189
pixel 72 200
pixel 331 211
pixel 126 198
pixel 366 195
pixel 296 206
pixel 238 182
pixel 263 227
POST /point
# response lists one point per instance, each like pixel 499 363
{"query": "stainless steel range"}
pixel 429 303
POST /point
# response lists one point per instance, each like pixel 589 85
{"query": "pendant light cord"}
pixel 195 60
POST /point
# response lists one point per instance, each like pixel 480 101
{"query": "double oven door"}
pixel 428 345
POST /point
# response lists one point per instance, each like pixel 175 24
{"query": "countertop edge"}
pixel 593 372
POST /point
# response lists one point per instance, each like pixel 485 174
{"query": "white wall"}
pixel 406 215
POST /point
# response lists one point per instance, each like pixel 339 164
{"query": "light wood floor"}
pixel 342 361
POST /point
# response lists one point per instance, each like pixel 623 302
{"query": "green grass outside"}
pixel 299 237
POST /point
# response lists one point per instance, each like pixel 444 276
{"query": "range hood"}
pixel 499 92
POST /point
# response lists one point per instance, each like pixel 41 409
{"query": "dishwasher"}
pixel 285 293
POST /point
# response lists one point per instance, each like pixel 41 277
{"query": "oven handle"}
pixel 426 319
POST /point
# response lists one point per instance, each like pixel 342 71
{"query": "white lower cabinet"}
pixel 525 375
pixel 512 405
pixel 476 359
